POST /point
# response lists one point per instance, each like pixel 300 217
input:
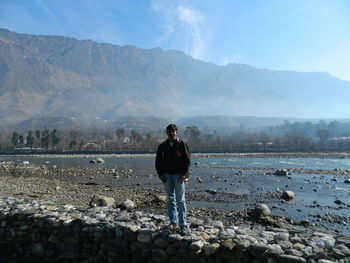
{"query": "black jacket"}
pixel 173 159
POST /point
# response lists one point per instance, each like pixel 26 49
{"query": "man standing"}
pixel 172 163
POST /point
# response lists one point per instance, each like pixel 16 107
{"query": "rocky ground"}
pixel 74 186
pixel 77 186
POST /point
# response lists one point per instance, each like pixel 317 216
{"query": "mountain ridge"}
pixel 59 76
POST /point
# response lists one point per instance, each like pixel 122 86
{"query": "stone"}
pixel 100 200
pixel 276 249
pixel 37 249
pixel 100 160
pixel 159 255
pixel 341 251
pixel 262 210
pixel 282 236
pixel 298 246
pixel 281 172
pixel 291 259
pixel 258 250
pixel 211 191
pixel 218 224
pixel 127 205
pixel 161 242
pixel 145 237
pixel 211 248
pixel 197 245
pixel 287 195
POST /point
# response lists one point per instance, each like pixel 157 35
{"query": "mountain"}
pixel 59 77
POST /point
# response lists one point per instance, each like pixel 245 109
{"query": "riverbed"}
pixel 233 182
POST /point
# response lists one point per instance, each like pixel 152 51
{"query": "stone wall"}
pixel 40 232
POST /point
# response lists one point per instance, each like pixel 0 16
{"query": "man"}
pixel 172 163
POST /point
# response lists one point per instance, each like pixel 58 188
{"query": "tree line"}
pixel 297 136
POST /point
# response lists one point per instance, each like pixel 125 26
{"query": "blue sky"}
pixel 301 35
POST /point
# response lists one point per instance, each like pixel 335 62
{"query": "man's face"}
pixel 172 134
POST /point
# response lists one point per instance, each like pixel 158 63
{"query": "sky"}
pixel 298 35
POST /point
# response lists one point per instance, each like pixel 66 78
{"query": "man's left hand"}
pixel 183 178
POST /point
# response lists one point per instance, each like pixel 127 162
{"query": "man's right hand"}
pixel 162 178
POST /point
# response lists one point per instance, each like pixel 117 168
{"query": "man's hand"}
pixel 183 178
pixel 162 178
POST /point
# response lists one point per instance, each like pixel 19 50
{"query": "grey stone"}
pixel 161 242
pixel 197 245
pixel 127 205
pixel 37 249
pixel 100 200
pixel 281 172
pixel 100 160
pixel 262 210
pixel 145 237
pixel 159 255
pixel 258 250
pixel 291 259
pixel 287 195
pixel 341 251
pixel 211 249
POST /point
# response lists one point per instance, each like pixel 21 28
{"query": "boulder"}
pixel 127 205
pixel 287 195
pixel 100 160
pixel 262 210
pixel 100 200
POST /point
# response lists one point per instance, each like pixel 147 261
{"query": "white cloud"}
pixel 193 22
pixel 186 22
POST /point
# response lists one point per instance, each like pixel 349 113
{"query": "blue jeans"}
pixel 175 190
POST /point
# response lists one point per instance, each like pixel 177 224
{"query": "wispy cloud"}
pixel 186 22
pixel 193 22
pixel 46 10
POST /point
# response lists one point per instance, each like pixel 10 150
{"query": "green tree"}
pixel 193 134
pixel 55 138
pixel 38 138
pixel 73 139
pixel 45 138
pixel 30 139
pixel 15 139
pixel 323 135
pixel 135 136
pixel 20 140
pixel 120 132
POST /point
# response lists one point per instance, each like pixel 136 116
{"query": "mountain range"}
pixel 55 77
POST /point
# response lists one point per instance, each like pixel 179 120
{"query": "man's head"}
pixel 171 131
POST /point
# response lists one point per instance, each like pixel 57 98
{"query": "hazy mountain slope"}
pixel 59 76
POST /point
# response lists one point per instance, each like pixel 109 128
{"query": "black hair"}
pixel 171 127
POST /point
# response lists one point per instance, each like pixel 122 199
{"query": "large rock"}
pixel 262 210
pixel 159 255
pixel 100 200
pixel 287 195
pixel 127 205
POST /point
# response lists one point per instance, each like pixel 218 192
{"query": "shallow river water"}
pixel 237 184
